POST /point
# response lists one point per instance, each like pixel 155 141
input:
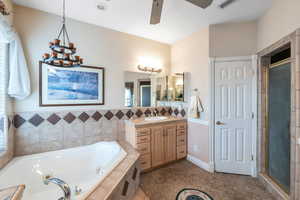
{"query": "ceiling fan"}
pixel 158 5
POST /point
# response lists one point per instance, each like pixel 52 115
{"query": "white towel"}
pixel 18 78
pixel 195 107
pixel 19 82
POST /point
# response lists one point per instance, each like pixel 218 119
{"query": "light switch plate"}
pixel 298 141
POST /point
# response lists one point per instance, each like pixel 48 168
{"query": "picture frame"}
pixel 76 86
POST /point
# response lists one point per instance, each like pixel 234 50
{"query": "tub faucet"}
pixel 63 185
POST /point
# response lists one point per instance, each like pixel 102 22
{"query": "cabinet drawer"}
pixel 143 148
pixel 181 126
pixel 181 152
pixel 143 139
pixel 181 140
pixel 181 132
pixel 143 131
pixel 145 161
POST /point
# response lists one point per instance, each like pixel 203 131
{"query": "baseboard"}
pixel 204 165
pixel 272 187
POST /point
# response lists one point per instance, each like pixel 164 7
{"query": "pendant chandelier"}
pixel 62 50
pixel 3 10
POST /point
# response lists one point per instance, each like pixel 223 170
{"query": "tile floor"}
pixel 166 182
pixel 140 195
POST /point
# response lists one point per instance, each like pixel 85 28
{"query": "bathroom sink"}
pixel 155 118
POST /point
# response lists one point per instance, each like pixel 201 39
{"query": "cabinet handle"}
pixel 182 152
pixel 145 149
pixel 143 163
pixel 181 140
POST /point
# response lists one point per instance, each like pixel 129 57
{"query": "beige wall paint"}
pixel 198 141
pixel 281 19
pixel 116 51
pixel 192 55
pixel 233 39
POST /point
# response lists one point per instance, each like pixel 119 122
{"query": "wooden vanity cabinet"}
pixel 170 143
pixel 158 143
pixel 157 146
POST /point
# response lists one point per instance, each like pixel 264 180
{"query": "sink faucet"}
pixel 63 185
pixel 155 112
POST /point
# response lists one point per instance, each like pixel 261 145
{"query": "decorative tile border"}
pixel 38 118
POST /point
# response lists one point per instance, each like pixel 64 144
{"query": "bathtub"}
pixel 84 167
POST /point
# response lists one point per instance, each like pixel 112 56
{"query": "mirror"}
pixel 176 87
pixel 170 88
pixel 138 89
pixel 145 89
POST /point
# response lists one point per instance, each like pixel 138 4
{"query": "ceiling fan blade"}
pixel 156 11
pixel 201 3
pixel 226 3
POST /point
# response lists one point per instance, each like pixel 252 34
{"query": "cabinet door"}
pixel 170 143
pixel 157 146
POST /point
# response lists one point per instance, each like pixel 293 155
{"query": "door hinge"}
pixel 252 157
pixel 252 115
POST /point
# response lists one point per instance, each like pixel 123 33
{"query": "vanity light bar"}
pixel 148 69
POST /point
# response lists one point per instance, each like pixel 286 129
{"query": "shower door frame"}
pixel 264 59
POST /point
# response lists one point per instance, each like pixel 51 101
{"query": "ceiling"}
pixel 179 18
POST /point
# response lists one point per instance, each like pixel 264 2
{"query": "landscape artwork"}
pixel 60 86
pixel 72 85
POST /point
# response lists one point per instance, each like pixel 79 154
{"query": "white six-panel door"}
pixel 233 115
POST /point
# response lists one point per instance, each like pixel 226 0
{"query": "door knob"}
pixel 219 123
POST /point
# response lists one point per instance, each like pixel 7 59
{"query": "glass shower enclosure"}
pixel 278 123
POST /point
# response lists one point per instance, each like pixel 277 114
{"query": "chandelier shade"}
pixel 63 52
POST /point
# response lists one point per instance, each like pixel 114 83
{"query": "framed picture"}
pixel 71 86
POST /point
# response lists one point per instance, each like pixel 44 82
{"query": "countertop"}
pixel 143 122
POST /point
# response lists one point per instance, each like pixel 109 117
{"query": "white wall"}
pixel 116 51
pixel 233 39
pixel 282 19
pixel 192 55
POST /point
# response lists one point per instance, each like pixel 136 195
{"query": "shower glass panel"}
pixel 278 138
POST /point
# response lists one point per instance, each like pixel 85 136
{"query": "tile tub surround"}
pixel 123 182
pixel 7 153
pixel 37 132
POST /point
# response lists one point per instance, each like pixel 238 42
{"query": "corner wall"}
pixel 192 55
pixel 281 19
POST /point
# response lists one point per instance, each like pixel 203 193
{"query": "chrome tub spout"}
pixel 63 185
